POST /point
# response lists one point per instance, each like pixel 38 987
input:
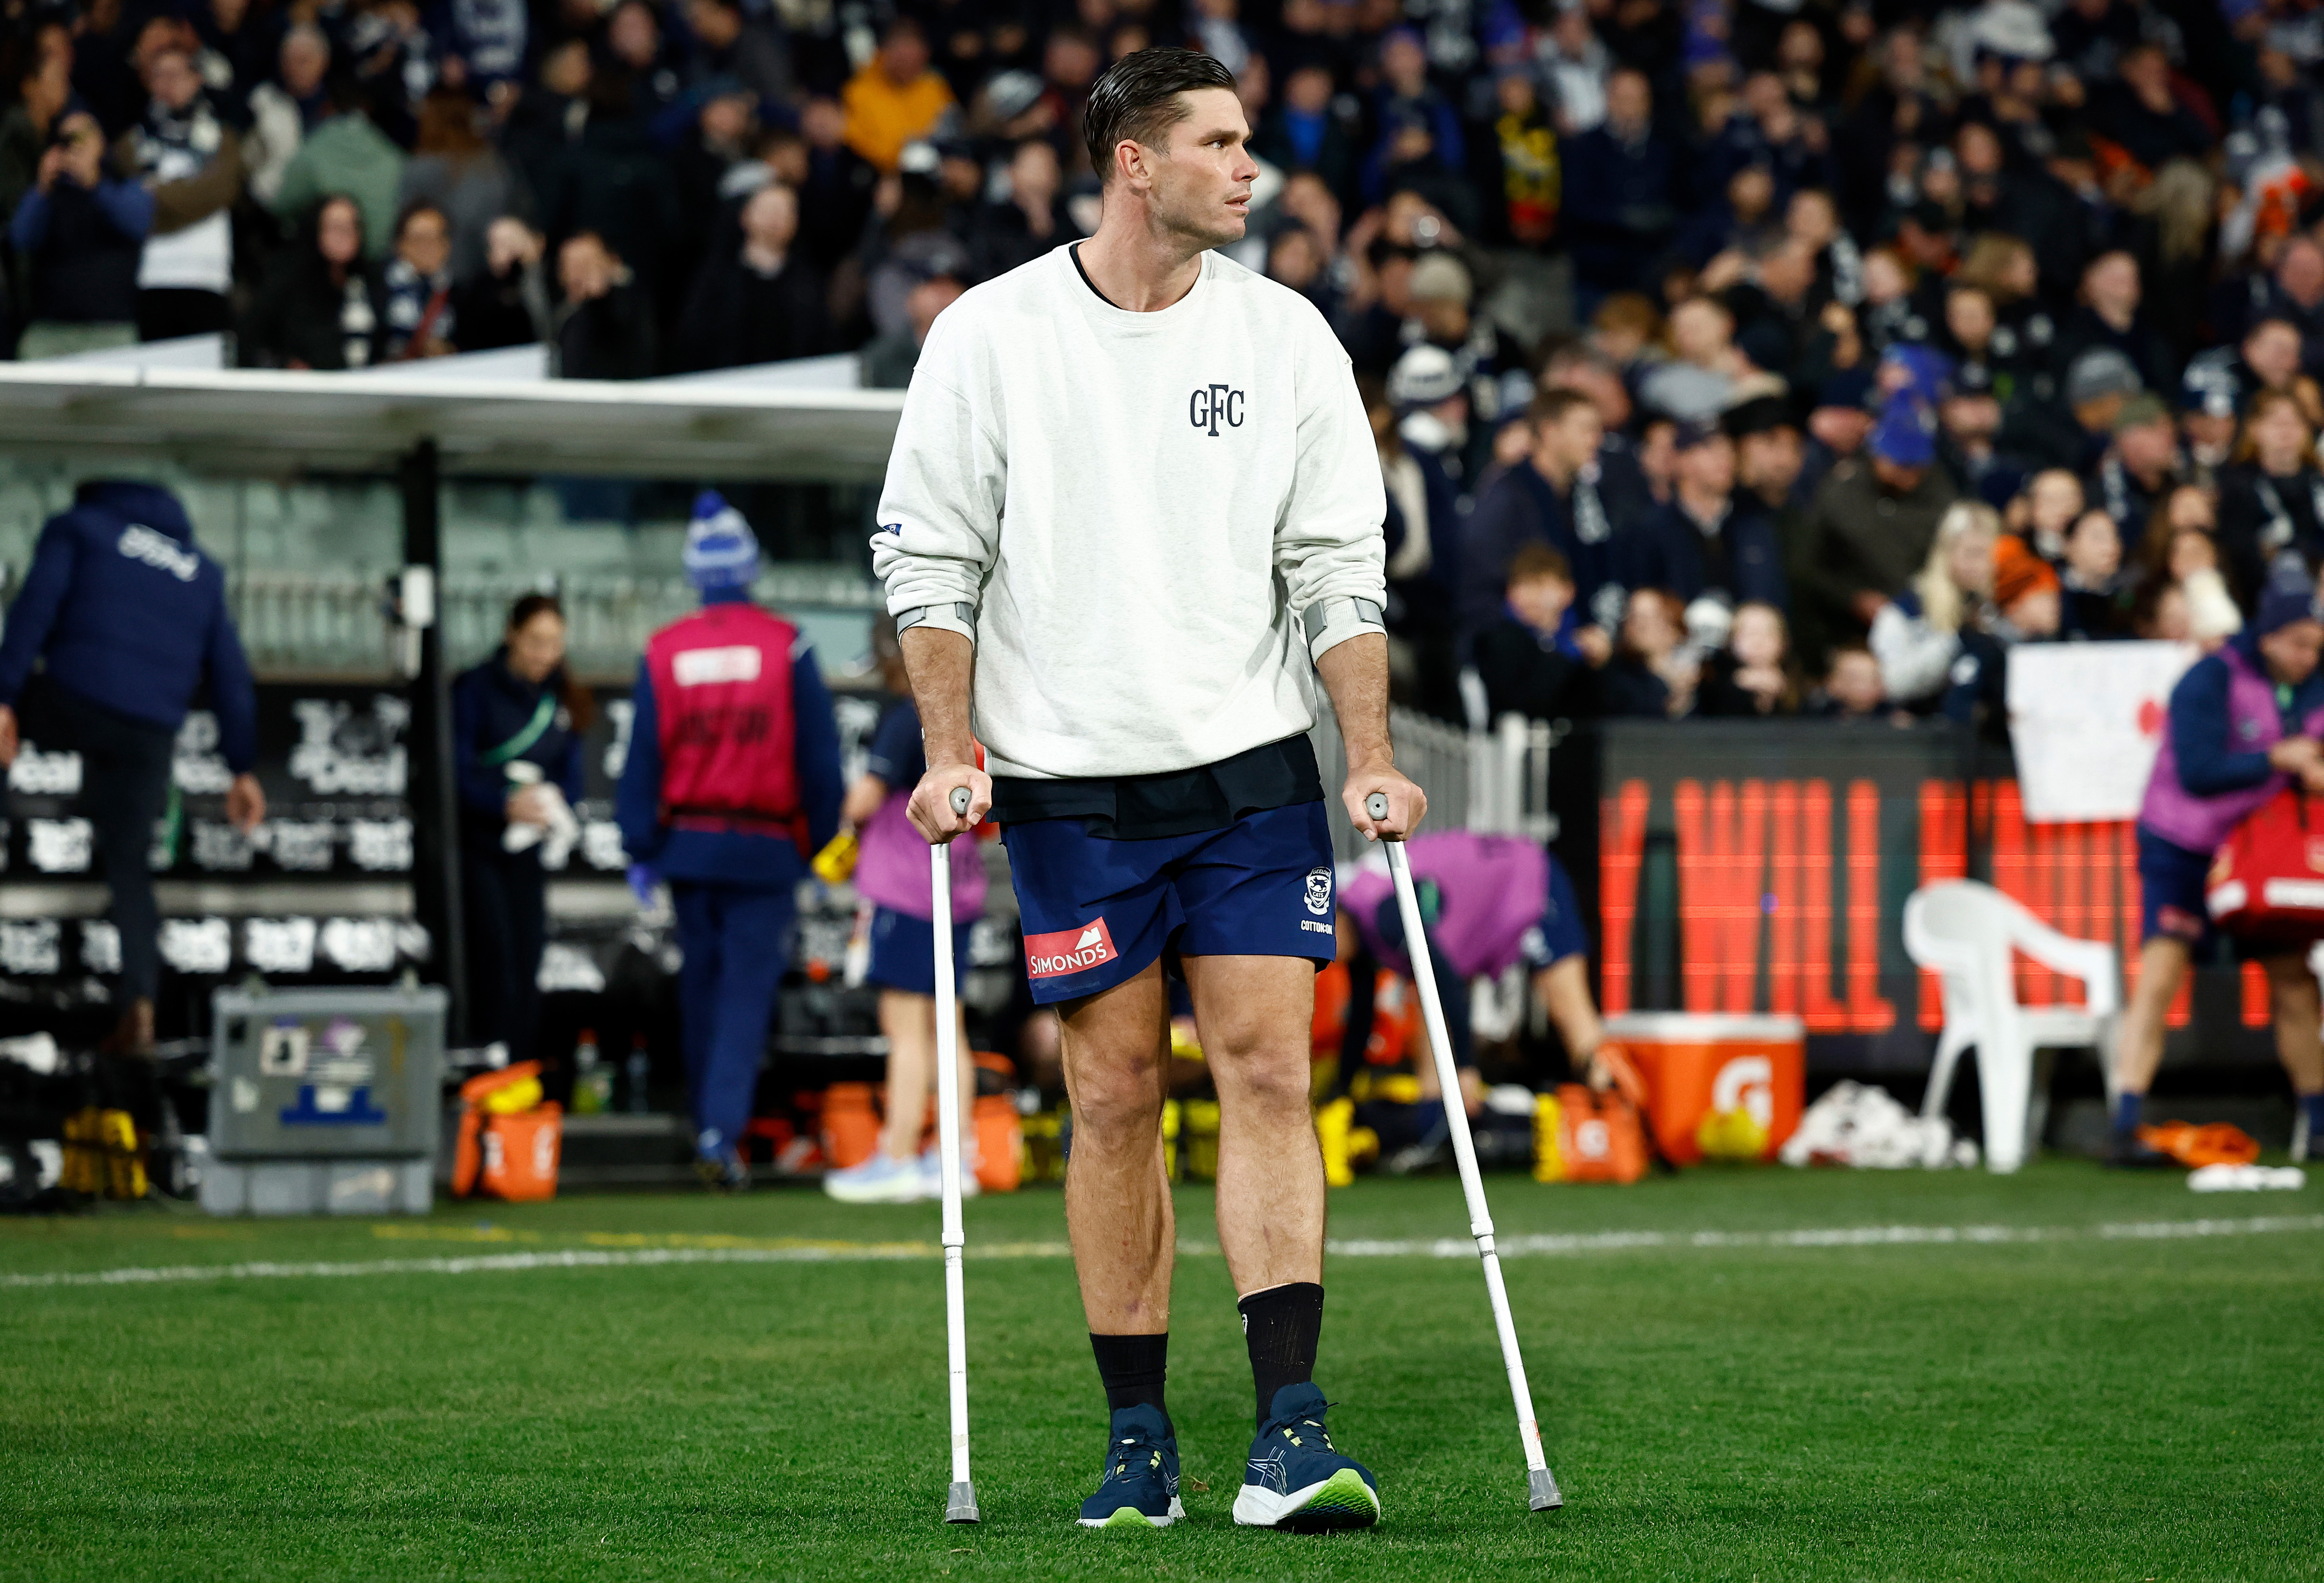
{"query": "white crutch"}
pixel 1541 1484
pixel 960 1505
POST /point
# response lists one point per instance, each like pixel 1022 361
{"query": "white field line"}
pixel 586 1258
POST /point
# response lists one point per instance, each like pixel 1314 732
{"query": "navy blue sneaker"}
pixel 1296 1480
pixel 1141 1474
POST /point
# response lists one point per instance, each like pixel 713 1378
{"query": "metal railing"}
pixel 1494 782
pixel 312 625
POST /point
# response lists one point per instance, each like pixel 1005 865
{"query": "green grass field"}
pixel 2084 1405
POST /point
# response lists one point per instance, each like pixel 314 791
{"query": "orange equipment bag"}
pixel 2194 1147
pixel 2268 879
pixel 1599 1136
pixel 510 1139
pixel 1720 1087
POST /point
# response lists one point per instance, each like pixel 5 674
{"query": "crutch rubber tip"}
pixel 960 1507
pixel 1375 805
pixel 1542 1490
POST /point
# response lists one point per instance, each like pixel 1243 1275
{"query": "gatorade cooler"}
pixel 1719 1087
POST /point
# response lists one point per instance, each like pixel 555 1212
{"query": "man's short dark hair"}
pixel 1137 99
pixel 1549 409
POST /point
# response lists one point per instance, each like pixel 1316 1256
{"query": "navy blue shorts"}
pixel 904 952
pixel 2170 894
pixel 1098 913
pixel 1559 935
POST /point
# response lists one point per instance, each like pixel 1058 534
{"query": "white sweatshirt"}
pixel 1137 508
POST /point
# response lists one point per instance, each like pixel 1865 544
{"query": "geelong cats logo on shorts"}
pixel 1319 891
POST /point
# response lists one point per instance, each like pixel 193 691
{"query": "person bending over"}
pixel 2244 725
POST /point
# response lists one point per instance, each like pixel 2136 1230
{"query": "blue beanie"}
pixel 1907 432
pixel 2286 601
pixel 721 552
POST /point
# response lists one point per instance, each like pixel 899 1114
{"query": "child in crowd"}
pixel 1528 660
pixel 2045 510
pixel 1752 678
pixel 1651 673
pixel 1851 688
pixel 2091 585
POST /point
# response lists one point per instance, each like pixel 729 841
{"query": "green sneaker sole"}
pixel 1341 1500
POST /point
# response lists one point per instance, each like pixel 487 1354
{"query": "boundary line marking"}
pixel 1520 1246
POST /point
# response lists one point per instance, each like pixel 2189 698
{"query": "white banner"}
pixel 2086 721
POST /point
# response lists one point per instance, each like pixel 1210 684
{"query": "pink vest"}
pixel 2254 725
pixel 893 868
pixel 1494 888
pixel 722 684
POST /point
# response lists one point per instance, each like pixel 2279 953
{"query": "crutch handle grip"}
pixel 1375 805
pixel 960 799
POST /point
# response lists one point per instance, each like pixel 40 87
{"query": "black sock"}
pixel 1131 1368
pixel 1282 1325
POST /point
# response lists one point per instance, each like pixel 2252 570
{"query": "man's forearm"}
pixel 1355 673
pixel 942 664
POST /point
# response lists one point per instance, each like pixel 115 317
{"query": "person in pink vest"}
pixel 891 877
pixel 1486 902
pixel 2244 723
pixel 732 780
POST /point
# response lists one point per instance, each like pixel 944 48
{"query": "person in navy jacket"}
pixel 732 781
pixel 517 723
pixel 1709 539
pixel 128 617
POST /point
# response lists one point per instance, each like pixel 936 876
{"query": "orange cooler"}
pixel 1721 1088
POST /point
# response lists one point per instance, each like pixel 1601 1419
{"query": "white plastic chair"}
pixel 1964 931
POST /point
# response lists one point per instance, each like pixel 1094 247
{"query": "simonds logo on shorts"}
pixel 1068 951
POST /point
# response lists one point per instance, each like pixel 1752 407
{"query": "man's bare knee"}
pixel 1116 1101
pixel 1267 1077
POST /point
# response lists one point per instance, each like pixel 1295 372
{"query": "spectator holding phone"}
pixel 80 230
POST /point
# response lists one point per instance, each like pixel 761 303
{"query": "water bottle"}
pixel 638 1066
pixel 593 1085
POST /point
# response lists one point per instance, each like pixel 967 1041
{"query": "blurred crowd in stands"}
pixel 1727 357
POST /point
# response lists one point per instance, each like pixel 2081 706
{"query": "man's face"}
pixel 2148 449
pixel 425 243
pixel 2113 284
pixel 2273 350
pixel 304 61
pixel 2300 271
pixel 1840 429
pixel 171 80
pixel 770 219
pixel 1571 444
pixel 1972 417
pixel 2209 435
pixel 1895 477
pixel 1709 467
pixel 1199 181
pixel 904 56
pixel 1628 103
pixel 1770 461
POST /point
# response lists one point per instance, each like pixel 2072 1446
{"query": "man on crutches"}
pixel 1132 510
